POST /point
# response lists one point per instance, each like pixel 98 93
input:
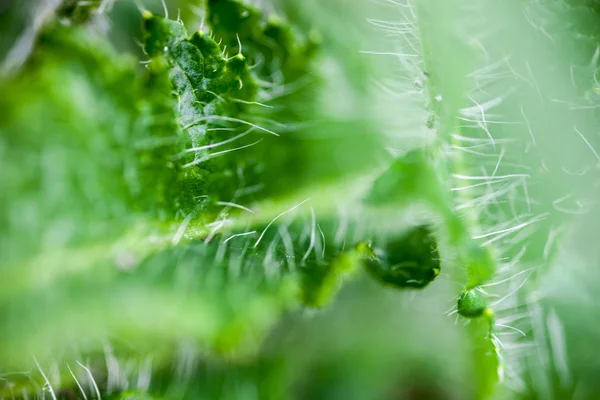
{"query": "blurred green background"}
pixel 127 274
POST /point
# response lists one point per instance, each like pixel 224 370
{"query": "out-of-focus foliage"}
pixel 299 199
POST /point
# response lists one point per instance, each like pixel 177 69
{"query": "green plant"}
pixel 320 208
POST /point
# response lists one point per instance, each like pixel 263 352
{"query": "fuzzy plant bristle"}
pixel 511 154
